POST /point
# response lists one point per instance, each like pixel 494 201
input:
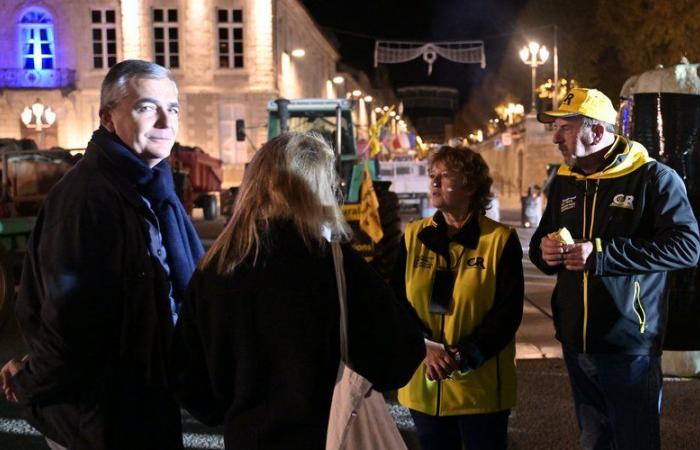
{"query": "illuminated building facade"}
pixel 230 57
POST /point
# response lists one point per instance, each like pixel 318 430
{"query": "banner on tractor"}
pixel 369 209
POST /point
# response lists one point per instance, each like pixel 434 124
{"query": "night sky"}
pixel 356 23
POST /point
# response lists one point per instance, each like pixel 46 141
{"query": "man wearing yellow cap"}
pixel 631 222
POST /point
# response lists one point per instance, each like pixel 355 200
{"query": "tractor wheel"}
pixel 210 206
pixel 387 249
pixel 183 189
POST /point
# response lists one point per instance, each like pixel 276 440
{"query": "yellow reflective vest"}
pixel 491 387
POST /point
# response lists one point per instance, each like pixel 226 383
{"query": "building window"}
pixel 165 38
pixel 37 40
pixel 104 38
pixel 230 25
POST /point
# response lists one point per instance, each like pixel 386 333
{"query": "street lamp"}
pixel 36 112
pixel 534 55
pixel 513 111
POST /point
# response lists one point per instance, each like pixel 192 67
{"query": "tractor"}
pixel 332 118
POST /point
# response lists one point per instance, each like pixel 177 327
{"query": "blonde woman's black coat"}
pixel 258 351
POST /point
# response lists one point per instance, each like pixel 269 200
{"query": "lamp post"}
pixel 534 55
pixel 32 118
pixel 339 82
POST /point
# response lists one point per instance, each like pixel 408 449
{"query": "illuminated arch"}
pixel 36 39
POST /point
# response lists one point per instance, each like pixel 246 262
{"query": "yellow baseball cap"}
pixel 582 102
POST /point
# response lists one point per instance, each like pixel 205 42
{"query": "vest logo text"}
pixel 423 262
pixel 476 263
pixel 568 203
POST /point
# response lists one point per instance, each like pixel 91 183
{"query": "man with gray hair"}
pixel 107 264
pixel 631 223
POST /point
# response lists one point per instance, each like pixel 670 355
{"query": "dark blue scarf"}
pixel 182 244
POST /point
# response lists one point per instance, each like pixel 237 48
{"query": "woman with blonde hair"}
pixel 257 342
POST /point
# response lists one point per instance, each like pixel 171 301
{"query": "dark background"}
pixel 601 43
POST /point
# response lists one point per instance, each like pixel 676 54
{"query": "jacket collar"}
pixel 434 236
pixel 623 157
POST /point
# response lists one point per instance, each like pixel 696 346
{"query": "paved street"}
pixel 543 419
pixel 535 338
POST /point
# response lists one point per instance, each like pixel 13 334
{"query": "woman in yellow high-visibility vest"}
pixel 462 273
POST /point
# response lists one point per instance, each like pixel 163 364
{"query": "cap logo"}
pixel 582 102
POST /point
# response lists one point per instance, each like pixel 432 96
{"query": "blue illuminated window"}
pixel 37 40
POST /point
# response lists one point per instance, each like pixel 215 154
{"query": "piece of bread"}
pixel 562 236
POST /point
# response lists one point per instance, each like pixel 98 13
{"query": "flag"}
pixel 404 141
pixel 362 147
pixel 411 140
pixel 370 223
pixel 376 133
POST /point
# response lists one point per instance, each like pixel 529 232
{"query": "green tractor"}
pixel 332 118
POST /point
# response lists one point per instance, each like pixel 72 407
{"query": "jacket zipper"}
pixel 587 236
pixel 439 382
pixel 585 274
pixel 637 302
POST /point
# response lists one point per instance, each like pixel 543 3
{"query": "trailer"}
pixel 198 177
pixel 27 177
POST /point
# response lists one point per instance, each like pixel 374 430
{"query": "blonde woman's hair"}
pixel 291 177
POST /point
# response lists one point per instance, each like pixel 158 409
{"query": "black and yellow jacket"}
pixel 636 213
pixel 486 310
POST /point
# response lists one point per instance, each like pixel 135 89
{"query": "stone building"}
pixel 230 57
pixel 519 157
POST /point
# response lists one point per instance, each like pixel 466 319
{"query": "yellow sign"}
pixel 369 209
